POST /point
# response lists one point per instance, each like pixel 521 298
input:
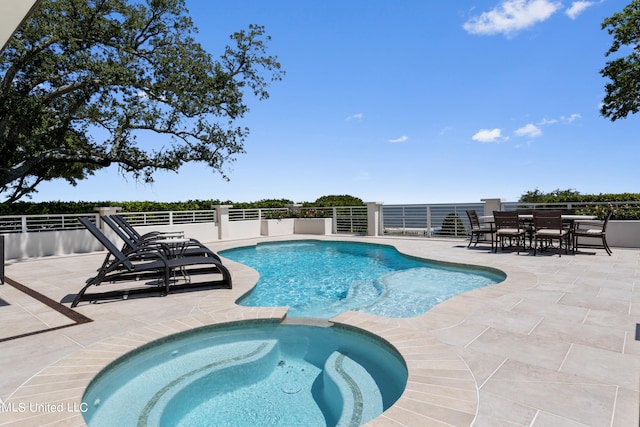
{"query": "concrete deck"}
pixel 556 344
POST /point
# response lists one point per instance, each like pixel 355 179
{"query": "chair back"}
pixel 473 219
pixel 506 219
pixel 127 227
pixel 108 244
pixel 126 238
pixel 606 220
pixel 547 219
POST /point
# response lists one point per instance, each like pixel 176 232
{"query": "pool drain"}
pixel 291 388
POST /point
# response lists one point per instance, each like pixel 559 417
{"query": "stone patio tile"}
pixel 524 348
pixel 604 366
pixel 607 338
pixel 576 398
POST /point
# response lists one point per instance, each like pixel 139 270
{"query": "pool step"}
pixel 243 365
pixel 361 294
pixel 349 388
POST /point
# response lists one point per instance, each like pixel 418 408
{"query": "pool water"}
pixel 247 375
pixel 323 279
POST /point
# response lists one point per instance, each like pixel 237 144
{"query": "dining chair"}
pixel 478 229
pixel 592 229
pixel 508 226
pixel 548 227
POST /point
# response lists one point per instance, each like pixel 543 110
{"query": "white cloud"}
pixel 358 116
pixel 512 16
pixel 403 138
pixel 529 130
pixel 577 7
pixel 545 122
pixel 487 135
pixel 446 130
pixel 572 118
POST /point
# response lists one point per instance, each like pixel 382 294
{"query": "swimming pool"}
pixel 250 374
pixel 325 278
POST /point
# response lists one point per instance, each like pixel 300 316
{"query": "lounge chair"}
pixel 134 241
pixel 131 230
pixel 148 263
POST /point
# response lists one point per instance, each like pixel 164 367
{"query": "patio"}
pixel 554 344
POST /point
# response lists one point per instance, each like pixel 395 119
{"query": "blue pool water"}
pixel 248 375
pixel 323 279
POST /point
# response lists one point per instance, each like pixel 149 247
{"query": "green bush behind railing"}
pixel 58 207
pixel 626 211
pixel 599 204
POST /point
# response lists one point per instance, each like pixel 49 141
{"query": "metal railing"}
pixel 40 223
pixel 346 220
pixel 169 217
pixel 425 220
pixel 447 220
pixel 58 222
pixel 350 220
pixel 256 214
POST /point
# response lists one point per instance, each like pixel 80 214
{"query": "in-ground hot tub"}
pixel 250 374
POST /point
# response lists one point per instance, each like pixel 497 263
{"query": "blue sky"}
pixel 411 101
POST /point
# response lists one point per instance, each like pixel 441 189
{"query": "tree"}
pixel 336 200
pixel 622 93
pixel 90 83
pixel 555 196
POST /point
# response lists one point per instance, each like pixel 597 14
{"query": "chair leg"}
pixel 606 246
pixel 560 241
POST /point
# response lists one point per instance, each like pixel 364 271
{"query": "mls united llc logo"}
pixel 23 407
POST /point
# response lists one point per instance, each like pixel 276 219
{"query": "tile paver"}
pixel 553 345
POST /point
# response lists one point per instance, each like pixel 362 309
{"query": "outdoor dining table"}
pixel 570 219
pixel 529 217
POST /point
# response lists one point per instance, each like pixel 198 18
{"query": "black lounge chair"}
pixel 131 230
pixel 148 263
pixel 134 241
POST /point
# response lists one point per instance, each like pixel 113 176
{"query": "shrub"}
pixel 452 225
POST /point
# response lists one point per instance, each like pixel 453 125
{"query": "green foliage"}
pixel 264 203
pixel 600 204
pixel 622 92
pixel 626 211
pixel 89 84
pixel 276 214
pixel 537 196
pixel 563 196
pixel 31 208
pixel 452 225
pixel 342 200
pixel 313 213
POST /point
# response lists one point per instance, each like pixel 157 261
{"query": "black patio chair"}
pixel 548 227
pixel 508 225
pixel 478 229
pixel 591 230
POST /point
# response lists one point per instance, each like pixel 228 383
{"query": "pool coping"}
pixel 441 387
